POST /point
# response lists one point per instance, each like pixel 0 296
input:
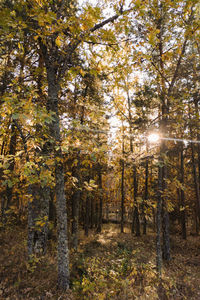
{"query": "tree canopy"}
pixel 83 85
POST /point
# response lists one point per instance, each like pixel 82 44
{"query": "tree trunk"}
pixel 12 150
pixel 198 136
pixel 144 204
pixel 136 220
pixel 198 151
pixel 165 213
pixel 87 210
pixel 122 198
pixel 196 183
pixel 75 205
pixel 54 127
pixel 122 188
pixel 159 222
pixel 92 213
pixel 197 211
pixel 96 213
pixel 182 196
pixel 100 212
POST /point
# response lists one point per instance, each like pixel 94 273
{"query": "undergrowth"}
pixel 106 266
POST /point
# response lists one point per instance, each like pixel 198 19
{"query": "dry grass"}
pixel 110 265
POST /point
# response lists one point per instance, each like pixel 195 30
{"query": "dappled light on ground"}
pixel 109 265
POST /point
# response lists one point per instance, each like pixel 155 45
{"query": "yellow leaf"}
pixel 58 41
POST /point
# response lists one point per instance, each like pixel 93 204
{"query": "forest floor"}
pixel 110 265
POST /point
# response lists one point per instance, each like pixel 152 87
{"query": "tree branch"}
pixel 177 68
pixel 23 139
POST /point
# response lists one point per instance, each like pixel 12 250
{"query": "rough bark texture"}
pixel 165 213
pixel 75 205
pixel 136 220
pixel 100 210
pixel 92 208
pixel 122 188
pixel 122 197
pixel 144 204
pixel 12 150
pixel 38 210
pixel 62 248
pixel 159 224
pixel 182 197
pixel 166 236
pixel 197 210
pixel 87 214
pixel 196 183
pixel 30 237
pixel 63 255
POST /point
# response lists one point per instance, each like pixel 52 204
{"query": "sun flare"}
pixel 153 138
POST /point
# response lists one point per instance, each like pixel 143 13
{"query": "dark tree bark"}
pixel 52 208
pixel 146 193
pixel 165 105
pixel 165 213
pixel 136 220
pixel 135 226
pixel 159 222
pixel 196 183
pixel 96 214
pixel 31 223
pixel 182 195
pixel 92 212
pixel 76 204
pixel 122 197
pixel 87 214
pixel 100 210
pixel 55 136
pixel 122 188
pixel 196 104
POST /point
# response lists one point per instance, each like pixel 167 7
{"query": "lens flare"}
pixel 153 138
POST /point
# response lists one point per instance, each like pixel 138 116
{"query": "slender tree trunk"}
pixel 96 214
pixel 92 213
pixel 122 198
pixel 12 150
pixel 166 236
pixel 182 196
pixel 38 210
pixel 107 208
pixel 165 213
pixel 122 188
pixel 136 220
pixel 144 204
pixel 159 223
pixel 31 210
pixel 198 135
pixel 196 183
pixel 41 200
pixel 75 205
pixel 31 223
pixel 100 212
pixel 42 213
pixel 197 211
pixel 198 151
pixel 87 210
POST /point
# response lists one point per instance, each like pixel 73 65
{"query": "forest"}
pixel 99 149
